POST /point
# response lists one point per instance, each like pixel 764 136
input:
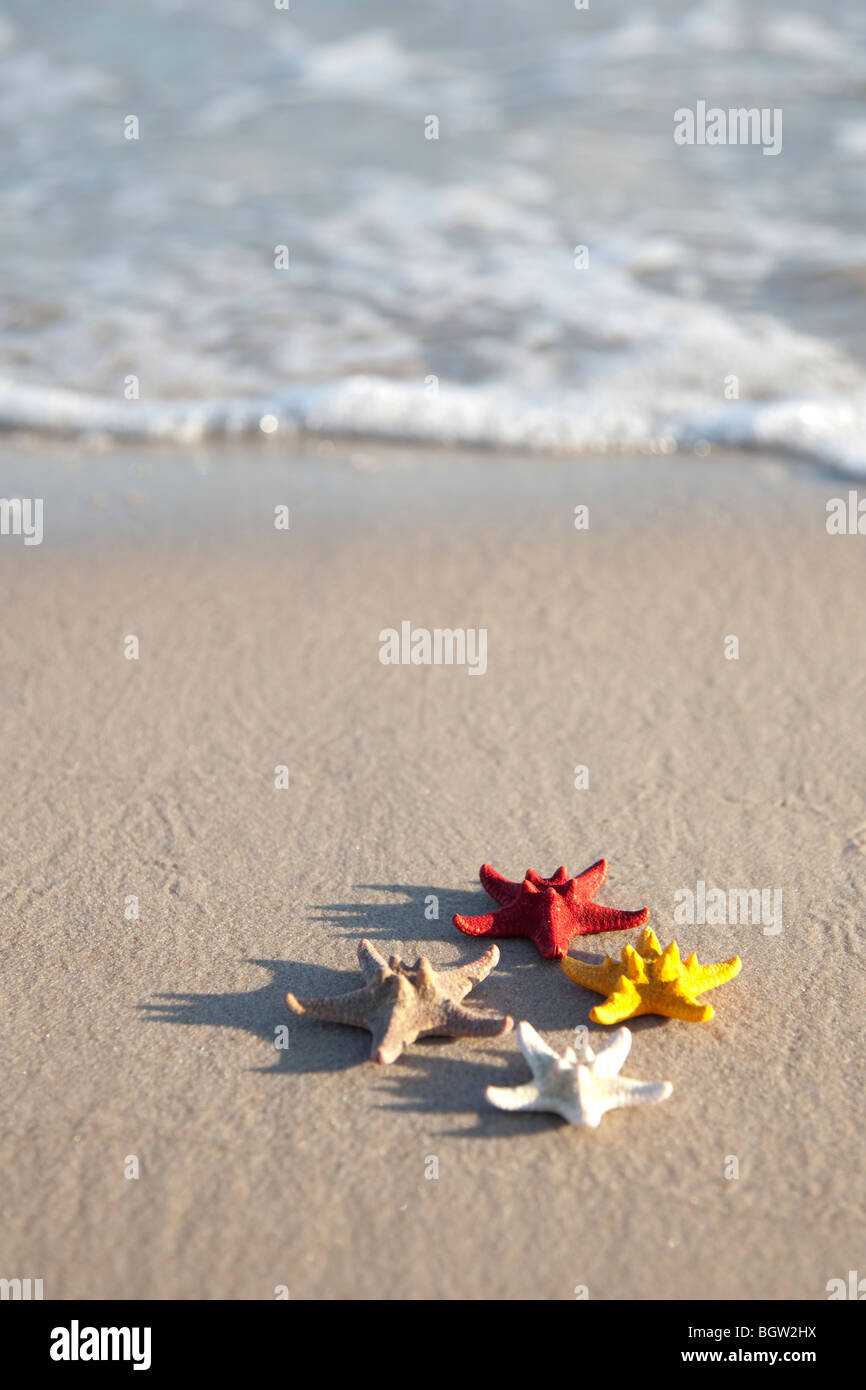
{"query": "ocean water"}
pixel 432 291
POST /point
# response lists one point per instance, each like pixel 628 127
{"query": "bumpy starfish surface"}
pixel 650 980
pixel 579 1087
pixel 400 1002
pixel 550 911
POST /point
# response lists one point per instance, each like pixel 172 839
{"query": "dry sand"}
pixel 155 778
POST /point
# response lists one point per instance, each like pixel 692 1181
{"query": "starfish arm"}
pixel 353 1008
pixel 701 977
pixel 682 1007
pixel 624 1002
pixel 626 1092
pixel 503 923
pixel 372 964
pixel 390 1036
pixel 612 1052
pixel 600 978
pixel 513 1097
pixel 587 884
pixel 502 889
pixel 539 1056
pixel 595 917
pixel 458 1022
pixel 461 978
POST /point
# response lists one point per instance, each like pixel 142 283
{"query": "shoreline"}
pixel 154 493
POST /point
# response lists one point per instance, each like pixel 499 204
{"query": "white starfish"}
pixel 579 1088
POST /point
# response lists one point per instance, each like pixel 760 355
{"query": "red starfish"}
pixel 550 911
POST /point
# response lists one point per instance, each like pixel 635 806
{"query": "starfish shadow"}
pixel 313 1047
pixel 529 987
pixel 425 1081
pixel 405 921
pixel 523 984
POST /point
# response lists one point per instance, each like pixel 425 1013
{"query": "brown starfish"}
pixel 400 1002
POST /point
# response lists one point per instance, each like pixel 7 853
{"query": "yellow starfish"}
pixel 651 981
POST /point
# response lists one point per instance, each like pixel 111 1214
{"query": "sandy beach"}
pixel 150 783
